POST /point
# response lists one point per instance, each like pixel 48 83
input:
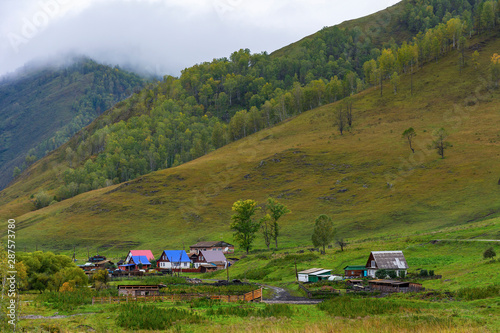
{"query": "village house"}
pixel 388 260
pixel 147 253
pixel 96 259
pixel 212 246
pixel 173 259
pixel 354 271
pixel 215 258
pixel 135 263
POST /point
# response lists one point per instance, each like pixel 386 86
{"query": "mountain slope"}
pixel 43 108
pixel 367 179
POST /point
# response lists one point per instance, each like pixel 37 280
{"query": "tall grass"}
pixel 137 316
pixel 270 310
pixel 472 293
pixel 70 300
pixel 354 307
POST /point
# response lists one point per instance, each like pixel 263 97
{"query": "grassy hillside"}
pixel 42 108
pixel 367 180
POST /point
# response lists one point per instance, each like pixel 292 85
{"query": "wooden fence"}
pixel 248 297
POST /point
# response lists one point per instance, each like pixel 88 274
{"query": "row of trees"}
pixel 440 144
pixel 246 227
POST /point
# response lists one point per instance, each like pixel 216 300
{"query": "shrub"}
pixel 424 272
pixel 431 272
pixel 42 199
pixel 402 274
pixel 392 274
pixel 381 274
pixel 489 253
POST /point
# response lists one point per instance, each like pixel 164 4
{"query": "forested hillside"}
pixel 217 102
pixel 40 109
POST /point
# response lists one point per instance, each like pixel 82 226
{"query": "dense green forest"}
pixel 42 109
pixel 214 103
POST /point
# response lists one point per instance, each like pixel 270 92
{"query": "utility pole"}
pixel 296 274
pixel 227 269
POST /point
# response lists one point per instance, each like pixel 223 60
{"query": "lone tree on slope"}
pixel 440 143
pixel 242 224
pixel 277 210
pixel 409 134
pixel 323 231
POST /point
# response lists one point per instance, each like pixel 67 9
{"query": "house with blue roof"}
pixel 173 259
pixel 135 263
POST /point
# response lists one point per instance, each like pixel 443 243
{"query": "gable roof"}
pixel 388 260
pixel 211 244
pixel 140 260
pixel 176 255
pixel 146 253
pixel 314 271
pixel 213 256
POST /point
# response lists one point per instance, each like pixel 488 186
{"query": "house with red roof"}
pixel 136 263
pixel 146 253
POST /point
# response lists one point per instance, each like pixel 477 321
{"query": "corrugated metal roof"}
pixel 177 256
pixel 310 271
pixel 213 256
pixel 389 260
pixel 322 272
pixel 140 260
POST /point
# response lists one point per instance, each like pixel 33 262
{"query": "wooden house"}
pixel 314 275
pixel 96 259
pixel 147 253
pixel 173 259
pixel 216 258
pixel 388 260
pixel 354 271
pixel 212 246
pixel 135 263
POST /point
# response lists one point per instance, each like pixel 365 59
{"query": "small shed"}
pixel 393 286
pixel 355 271
pixel 138 290
pixel 314 275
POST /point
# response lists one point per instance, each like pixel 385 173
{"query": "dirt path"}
pixel 282 296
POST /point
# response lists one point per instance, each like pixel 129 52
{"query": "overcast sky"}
pixel 162 36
